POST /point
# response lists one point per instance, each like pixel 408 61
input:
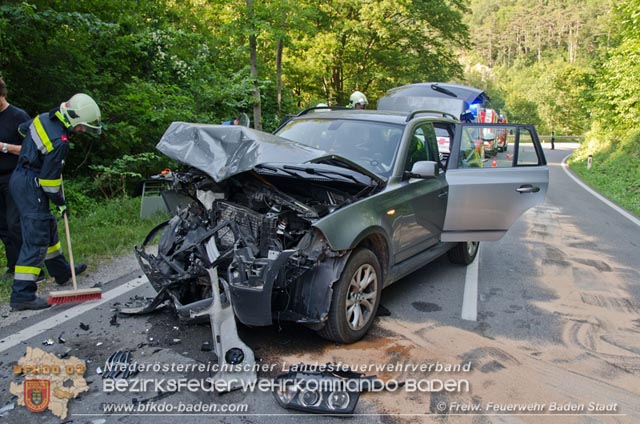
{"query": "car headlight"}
pixel 285 394
pixel 323 393
pixel 338 400
pixel 310 397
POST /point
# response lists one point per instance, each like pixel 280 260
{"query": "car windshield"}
pixel 372 145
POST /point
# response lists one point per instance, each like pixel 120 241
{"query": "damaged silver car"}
pixel 309 225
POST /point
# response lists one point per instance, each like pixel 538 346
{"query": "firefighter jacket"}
pixel 44 150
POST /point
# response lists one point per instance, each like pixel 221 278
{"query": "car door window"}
pixel 471 150
pixel 423 145
pixel 514 146
pixel 527 154
pixel 444 135
pixel 431 143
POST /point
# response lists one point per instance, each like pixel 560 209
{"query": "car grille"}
pixel 248 223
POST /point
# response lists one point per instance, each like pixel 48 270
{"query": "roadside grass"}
pixel 110 229
pixel 615 170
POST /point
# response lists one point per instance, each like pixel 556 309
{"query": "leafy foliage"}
pixel 569 66
pixel 564 65
pixel 150 63
pixel 114 180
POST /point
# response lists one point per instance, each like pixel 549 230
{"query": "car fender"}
pixel 315 291
pixel 346 228
pixel 374 238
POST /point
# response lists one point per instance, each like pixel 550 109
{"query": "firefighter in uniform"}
pixel 38 179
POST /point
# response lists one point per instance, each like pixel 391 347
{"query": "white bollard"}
pixel 589 161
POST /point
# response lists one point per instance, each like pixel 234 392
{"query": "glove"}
pixel 63 210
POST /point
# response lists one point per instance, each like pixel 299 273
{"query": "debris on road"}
pixel 118 363
pixel 65 353
pixel 5 409
pixel 140 305
pixel 114 320
pixel 49 342
pixel 227 344
pixel 84 326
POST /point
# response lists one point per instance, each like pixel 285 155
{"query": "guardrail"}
pixel 562 138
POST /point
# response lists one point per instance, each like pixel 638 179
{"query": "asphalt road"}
pixel 557 334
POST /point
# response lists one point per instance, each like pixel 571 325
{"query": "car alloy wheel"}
pixel 472 248
pixel 361 297
pixel 355 298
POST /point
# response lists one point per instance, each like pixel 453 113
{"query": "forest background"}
pixel 564 65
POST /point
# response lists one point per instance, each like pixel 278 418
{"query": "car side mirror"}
pixel 423 169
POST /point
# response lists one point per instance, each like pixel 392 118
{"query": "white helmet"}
pixel 358 98
pixel 81 109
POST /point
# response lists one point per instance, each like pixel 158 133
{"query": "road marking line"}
pixel 470 297
pixel 608 202
pixel 68 314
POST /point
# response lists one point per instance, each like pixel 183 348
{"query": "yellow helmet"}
pixel 81 109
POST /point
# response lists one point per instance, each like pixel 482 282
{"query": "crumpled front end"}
pixel 275 264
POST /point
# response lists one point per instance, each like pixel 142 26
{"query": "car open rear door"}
pixel 487 194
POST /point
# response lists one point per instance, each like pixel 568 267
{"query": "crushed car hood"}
pixel 224 150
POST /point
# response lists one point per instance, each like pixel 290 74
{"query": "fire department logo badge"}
pixel 37 394
pixel 46 382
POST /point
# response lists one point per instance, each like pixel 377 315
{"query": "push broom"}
pixel 75 295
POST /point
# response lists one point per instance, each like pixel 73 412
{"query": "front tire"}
pixel 355 299
pixel 464 252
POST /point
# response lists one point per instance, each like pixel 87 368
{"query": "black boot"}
pixel 37 303
pixel 79 268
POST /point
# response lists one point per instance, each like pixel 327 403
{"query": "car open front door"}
pixel 487 194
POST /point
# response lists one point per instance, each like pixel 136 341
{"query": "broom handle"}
pixel 73 269
pixel 68 234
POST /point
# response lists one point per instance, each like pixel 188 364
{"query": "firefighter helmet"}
pixel 358 98
pixel 81 109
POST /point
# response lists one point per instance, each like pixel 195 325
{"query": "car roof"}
pixel 390 117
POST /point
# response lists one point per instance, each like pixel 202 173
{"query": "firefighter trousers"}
pixel 9 223
pixel 41 244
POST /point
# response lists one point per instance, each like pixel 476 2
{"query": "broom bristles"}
pixel 73 296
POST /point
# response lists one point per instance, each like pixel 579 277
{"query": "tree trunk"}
pixel 253 47
pixel 279 76
pixel 570 44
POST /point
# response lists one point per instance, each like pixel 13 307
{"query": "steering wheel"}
pixel 373 163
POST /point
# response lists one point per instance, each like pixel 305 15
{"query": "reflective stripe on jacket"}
pixel 44 150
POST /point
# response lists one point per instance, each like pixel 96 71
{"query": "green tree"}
pixel 374 45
